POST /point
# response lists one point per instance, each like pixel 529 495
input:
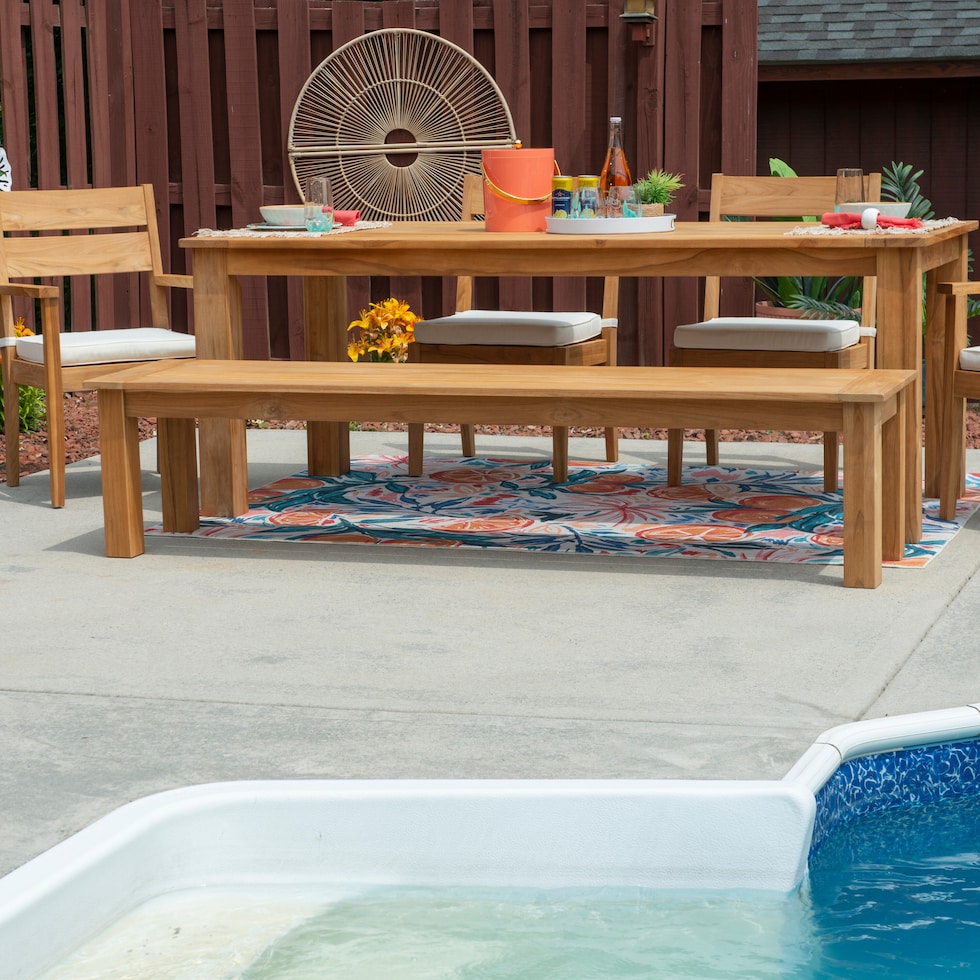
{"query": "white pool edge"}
pixel 845 742
pixel 661 834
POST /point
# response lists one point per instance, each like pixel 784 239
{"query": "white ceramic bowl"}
pixel 282 214
pixel 890 209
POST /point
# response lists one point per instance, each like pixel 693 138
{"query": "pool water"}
pixel 895 893
pixel 458 933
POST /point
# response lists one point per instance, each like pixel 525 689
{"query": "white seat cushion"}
pixel 509 328
pixel 970 359
pixel 768 333
pixel 109 346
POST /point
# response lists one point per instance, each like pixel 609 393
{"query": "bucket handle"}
pixel 500 192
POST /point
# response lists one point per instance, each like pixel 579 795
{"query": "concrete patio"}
pixel 209 660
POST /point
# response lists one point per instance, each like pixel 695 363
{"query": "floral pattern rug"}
pixel 603 509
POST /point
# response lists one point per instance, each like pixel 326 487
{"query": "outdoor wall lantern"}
pixel 640 15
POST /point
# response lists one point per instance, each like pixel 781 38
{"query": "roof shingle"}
pixel 873 30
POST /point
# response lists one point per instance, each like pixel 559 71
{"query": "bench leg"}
pixel 122 496
pixel 894 463
pixel 177 442
pixel 862 496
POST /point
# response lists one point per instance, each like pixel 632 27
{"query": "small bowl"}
pixel 282 214
pixel 890 209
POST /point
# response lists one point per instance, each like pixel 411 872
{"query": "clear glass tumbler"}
pixel 318 211
pixel 850 188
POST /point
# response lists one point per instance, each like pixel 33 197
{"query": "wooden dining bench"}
pixel 870 408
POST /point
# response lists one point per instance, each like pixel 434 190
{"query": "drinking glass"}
pixel 632 207
pixel 850 187
pixel 318 210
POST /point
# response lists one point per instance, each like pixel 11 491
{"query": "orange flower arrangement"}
pixel 385 331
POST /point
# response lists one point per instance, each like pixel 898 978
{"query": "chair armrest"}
pixel 173 279
pixel 31 291
pixel 959 288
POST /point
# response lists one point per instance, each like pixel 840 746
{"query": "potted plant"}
pixel 657 190
pixel 821 297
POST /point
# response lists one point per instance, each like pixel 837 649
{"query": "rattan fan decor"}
pixel 395 119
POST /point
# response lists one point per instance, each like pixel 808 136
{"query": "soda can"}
pixel 561 196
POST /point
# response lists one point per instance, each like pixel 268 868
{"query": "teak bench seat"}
pixel 869 407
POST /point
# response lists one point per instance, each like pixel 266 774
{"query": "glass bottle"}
pixel 615 170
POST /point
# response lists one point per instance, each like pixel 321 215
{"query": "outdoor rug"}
pixel 604 509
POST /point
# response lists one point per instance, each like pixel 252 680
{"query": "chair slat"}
pixel 78 255
pixel 108 207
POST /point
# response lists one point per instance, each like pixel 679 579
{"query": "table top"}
pixel 551 381
pixel 466 236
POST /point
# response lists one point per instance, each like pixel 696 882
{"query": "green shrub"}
pixel 30 405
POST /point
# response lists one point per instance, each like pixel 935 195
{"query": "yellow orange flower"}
pixel 384 332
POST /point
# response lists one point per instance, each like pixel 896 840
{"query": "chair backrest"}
pixel 472 210
pixel 779 197
pixel 86 232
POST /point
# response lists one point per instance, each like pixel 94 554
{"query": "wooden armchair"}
pixel 961 381
pixel 116 233
pixel 752 341
pixel 502 337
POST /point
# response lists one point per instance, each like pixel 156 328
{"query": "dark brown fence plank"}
pixel 512 71
pixel 45 17
pixel 73 75
pixel 348 23
pixel 244 122
pixel 194 94
pixel 294 69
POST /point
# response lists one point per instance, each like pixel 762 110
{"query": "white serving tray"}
pixel 610 226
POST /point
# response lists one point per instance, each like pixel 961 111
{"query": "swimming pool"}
pixel 720 840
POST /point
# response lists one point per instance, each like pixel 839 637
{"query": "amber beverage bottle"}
pixel 615 170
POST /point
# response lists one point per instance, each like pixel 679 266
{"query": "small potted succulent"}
pixel 656 191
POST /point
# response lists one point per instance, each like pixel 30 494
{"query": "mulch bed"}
pixel 82 434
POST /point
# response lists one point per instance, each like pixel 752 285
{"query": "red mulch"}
pixel 82 434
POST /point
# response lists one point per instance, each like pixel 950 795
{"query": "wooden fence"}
pixel 195 97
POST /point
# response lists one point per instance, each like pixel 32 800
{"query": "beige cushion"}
pixel 510 328
pixel 970 359
pixel 769 333
pixel 109 346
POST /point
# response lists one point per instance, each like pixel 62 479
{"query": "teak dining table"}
pixel 899 261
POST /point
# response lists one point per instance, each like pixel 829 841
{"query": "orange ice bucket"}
pixel 517 188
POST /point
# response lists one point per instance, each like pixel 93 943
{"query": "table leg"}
pixel 899 345
pixel 862 495
pixel 326 321
pixel 218 328
pixel 177 439
pixel 122 496
pixel 937 307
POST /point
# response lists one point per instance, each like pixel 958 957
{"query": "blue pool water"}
pixel 894 869
pixel 897 893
